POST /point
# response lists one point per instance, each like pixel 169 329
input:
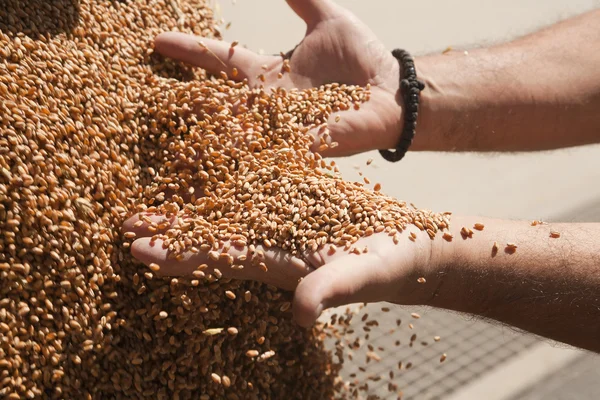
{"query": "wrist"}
pixel 431 101
pixel 420 265
pixel 395 111
pixel 439 267
pixel 392 111
pixel 457 265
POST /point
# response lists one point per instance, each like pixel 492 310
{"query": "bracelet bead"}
pixel 410 89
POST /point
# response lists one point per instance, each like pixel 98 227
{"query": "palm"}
pixel 334 51
pixel 327 279
pixel 337 48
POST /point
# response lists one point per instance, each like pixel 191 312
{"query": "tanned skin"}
pixel 539 92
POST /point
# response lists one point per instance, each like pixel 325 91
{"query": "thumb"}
pixel 344 134
pixel 313 11
pixel 355 131
pixel 338 137
pixel 349 279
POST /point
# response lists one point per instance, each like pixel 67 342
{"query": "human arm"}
pixel 538 92
pixel 547 286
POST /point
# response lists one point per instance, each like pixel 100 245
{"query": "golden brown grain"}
pixel 216 378
pixel 510 248
pixel 98 127
pixel 252 353
pixel 232 331
pixel 154 267
pixel 466 232
pixel 495 249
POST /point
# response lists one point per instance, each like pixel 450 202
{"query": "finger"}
pixel 285 271
pixel 356 131
pixel 345 280
pixel 212 55
pixel 313 11
pixel 282 269
pixel 148 224
pixel 185 194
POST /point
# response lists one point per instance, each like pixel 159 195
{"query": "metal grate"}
pixel 473 347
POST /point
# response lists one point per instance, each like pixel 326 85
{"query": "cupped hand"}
pixel 337 47
pixel 386 271
pixel 283 270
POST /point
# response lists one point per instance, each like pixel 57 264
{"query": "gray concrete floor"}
pixel 560 185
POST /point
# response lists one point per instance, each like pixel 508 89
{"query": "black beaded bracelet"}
pixel 410 88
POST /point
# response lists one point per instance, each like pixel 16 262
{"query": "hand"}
pixel 284 270
pixel 337 48
pixel 322 279
pixel 386 272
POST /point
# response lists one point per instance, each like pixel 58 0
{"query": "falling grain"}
pixel 466 233
pixel 215 378
pixel 510 248
pixel 478 226
pixel 495 249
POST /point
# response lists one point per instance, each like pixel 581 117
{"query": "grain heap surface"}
pixel 92 125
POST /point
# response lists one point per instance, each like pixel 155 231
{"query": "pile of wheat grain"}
pixel 93 125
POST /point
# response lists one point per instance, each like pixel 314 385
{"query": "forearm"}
pixel 536 93
pixel 549 285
